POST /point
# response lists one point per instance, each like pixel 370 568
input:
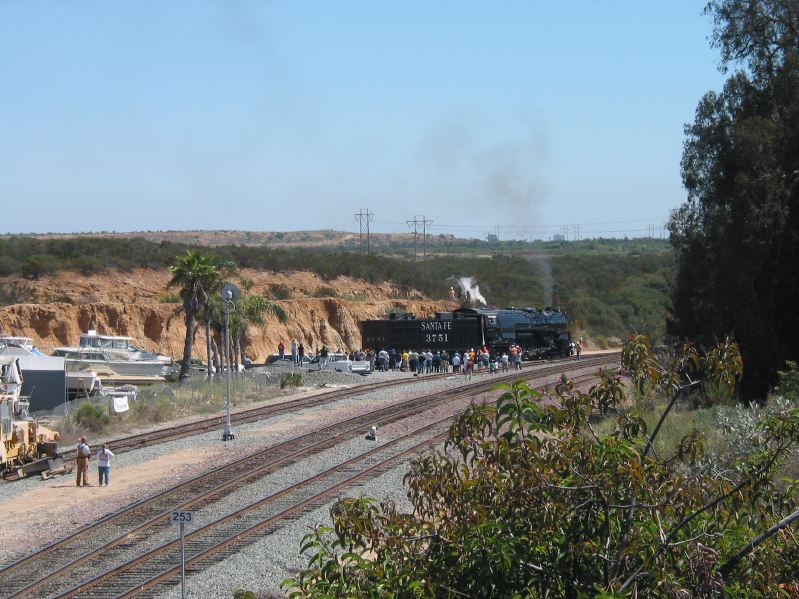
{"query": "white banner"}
pixel 121 404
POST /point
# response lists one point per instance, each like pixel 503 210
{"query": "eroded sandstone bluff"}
pixel 140 304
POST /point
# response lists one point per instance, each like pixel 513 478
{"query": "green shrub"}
pixel 58 298
pixel 170 298
pixel 89 265
pixel 788 381
pixel 8 265
pixel 153 410
pixel 325 292
pixel 92 417
pixel 291 379
pixel 601 341
pixel 37 265
pixel 280 292
pixel 14 293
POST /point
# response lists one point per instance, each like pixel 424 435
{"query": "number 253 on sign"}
pixel 182 517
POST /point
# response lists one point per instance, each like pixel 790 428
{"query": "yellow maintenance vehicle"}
pixel 26 447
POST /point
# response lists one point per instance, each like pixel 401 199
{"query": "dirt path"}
pixel 59 501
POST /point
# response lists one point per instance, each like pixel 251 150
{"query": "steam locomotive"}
pixel 541 333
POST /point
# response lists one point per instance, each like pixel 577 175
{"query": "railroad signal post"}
pixel 230 294
pixel 182 517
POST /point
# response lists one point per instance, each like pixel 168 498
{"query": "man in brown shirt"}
pixel 83 463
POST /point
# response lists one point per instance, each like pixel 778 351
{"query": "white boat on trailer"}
pixel 46 378
pixel 110 367
pixel 115 359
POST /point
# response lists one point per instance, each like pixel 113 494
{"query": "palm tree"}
pixel 198 275
pixel 250 309
pixel 211 316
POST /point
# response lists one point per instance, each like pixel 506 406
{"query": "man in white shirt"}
pixel 104 455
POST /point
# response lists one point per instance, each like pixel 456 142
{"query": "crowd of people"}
pixel 427 361
pixel 430 362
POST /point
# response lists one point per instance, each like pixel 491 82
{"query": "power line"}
pixel 415 224
pixel 363 221
pixel 530 226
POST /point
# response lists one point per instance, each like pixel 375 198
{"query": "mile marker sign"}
pixel 182 517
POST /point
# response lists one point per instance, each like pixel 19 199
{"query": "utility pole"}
pixel 425 224
pixel 363 222
pixel 415 225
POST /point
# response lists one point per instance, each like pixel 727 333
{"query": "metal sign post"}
pixel 230 294
pixel 182 517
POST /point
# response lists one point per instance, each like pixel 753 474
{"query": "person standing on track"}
pixel 83 463
pixel 294 351
pixel 104 456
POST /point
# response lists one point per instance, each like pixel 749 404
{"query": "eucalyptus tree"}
pixel 199 276
pixel 735 238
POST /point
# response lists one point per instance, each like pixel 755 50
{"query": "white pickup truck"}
pixel 341 363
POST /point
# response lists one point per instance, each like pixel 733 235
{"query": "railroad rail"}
pixel 171 433
pixel 43 573
pixel 197 427
pixel 150 573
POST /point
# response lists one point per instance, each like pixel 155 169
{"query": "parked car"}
pixel 335 361
pixel 361 367
pixel 275 359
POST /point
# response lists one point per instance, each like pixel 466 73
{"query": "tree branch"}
pixel 752 545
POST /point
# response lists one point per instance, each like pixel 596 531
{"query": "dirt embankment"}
pixel 133 303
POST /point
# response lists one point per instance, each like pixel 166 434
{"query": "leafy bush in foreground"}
pixel 528 500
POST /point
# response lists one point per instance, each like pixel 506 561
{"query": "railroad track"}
pixel 171 433
pixel 151 574
pixel 43 573
pixel 197 427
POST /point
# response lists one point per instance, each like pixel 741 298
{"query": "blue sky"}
pixel 522 118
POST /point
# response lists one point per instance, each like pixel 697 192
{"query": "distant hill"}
pixel 609 287
pixel 274 239
pixel 402 244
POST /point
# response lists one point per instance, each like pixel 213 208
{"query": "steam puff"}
pixel 547 280
pixel 492 175
pixel 471 289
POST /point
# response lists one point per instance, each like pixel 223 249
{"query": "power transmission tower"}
pixel 415 224
pixel 363 218
pixel 425 224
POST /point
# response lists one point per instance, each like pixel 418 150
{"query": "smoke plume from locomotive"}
pixel 471 290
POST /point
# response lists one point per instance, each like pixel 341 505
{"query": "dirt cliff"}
pixel 140 304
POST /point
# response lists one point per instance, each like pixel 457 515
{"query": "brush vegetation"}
pixel 609 288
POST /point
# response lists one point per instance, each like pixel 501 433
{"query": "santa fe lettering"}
pixel 436 325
